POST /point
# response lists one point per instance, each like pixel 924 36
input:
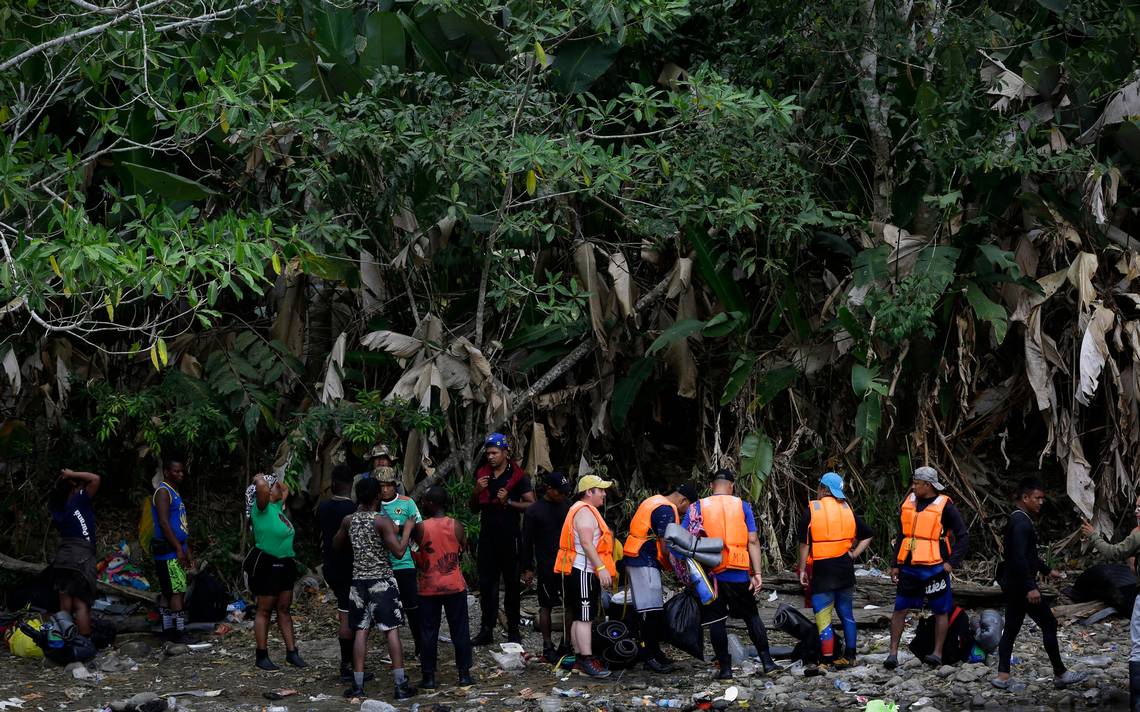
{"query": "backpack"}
pixel 959 638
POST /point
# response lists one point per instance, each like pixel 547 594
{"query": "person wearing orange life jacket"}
pixel 644 554
pixel 724 516
pixel 586 563
pixel 933 541
pixel 834 535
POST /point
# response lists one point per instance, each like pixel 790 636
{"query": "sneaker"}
pixel 1069 677
pixel 891 662
pixel 841 663
pixel 657 666
pixel 769 664
pixel 723 671
pixel 404 690
pixel 933 660
pixel 354 691
pixel 1002 684
pixel 592 667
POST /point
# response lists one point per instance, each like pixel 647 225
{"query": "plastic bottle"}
pixel 735 649
pixel 842 685
pixel 640 702
pixel 671 703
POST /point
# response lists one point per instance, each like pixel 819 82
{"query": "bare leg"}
pixel 359 650
pixel 941 626
pixel 544 627
pixel 261 621
pixel 81 612
pixel 285 620
pixel 898 623
pixel 395 648
pixel 582 637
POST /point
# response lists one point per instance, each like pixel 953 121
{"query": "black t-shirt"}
pixel 330 514
pixel 837 573
pixel 500 520
pixel 77 518
pixel 1022 563
pixel 541 530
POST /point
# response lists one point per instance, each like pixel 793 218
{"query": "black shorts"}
pixel 733 598
pixel 549 590
pixel 374 603
pixel 583 595
pixel 75 583
pixel 339 578
pixel 267 575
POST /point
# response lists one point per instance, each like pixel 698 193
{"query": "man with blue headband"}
pixel 502 492
pixel 833 536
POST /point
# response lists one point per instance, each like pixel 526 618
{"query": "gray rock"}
pixel 135 649
pixel 910 663
pixel 947 670
pixel 136 702
pixel 173 649
pixel 377 706
pixel 978 701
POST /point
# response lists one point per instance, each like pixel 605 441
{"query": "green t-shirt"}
pixel 272 530
pixel 401 510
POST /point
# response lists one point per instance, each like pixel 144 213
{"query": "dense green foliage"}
pixel 847 210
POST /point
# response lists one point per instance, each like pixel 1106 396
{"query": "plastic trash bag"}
pixel 21 644
pixel 683 624
pixel 987 633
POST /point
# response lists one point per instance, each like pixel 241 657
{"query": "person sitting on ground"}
pixel 1119 552
pixel 541 529
pixel 271 570
pixel 834 536
pixel 374 599
pixel 502 493
pixel 442 588
pixel 337 563
pixel 933 542
pixel 738 578
pixel 1019 584
pixel 170 549
pixel 644 554
pixel 586 563
pixel 73 568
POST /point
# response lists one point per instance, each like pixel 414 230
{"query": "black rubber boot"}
pixel 1134 685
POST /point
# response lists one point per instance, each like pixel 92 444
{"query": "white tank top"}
pixel 580 561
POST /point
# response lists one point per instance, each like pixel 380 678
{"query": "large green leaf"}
pixel 719 279
pixel 579 63
pixel 756 454
pixel 871 265
pixel 774 382
pixel 736 378
pixel 862 378
pixel 936 263
pixel 683 328
pixel 166 184
pixel 335 30
pixel 868 418
pixel 385 41
pixel 723 324
pixel 986 309
pixel 625 390
pixel 431 58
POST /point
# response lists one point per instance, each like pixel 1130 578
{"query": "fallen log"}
pixel 880 589
pixel 1078 610
pixel 9 563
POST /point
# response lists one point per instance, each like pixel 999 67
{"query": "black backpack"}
pixel 959 638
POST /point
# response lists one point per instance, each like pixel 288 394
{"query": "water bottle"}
pixel 640 702
pixel 842 685
pixel 671 703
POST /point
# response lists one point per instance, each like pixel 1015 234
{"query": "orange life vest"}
pixel 641 527
pixel 922 531
pixel 832 528
pixel 564 562
pixel 722 516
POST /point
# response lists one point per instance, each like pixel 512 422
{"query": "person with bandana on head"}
pixel 502 493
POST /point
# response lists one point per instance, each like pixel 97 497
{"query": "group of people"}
pixel 387 563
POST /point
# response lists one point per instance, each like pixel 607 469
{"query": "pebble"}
pixel 947 670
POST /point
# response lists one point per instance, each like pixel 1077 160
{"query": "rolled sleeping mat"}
pixel 709 551
pixel 614 643
pixel 700 581
pixel 680 541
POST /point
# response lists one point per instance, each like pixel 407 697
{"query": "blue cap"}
pixel 496 440
pixel 833 482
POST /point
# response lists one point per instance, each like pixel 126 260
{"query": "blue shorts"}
pixel 929 584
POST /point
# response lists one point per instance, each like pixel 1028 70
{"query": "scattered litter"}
pixel 870 607
pixel 195 693
pixel 842 685
pixel 196 647
pixel 773 596
pixel 880 706
pixel 321 697
pixel 732 693
pixel 11 702
pixel 1095 660
pixel 571 692
pixel 511 658
pixel 280 694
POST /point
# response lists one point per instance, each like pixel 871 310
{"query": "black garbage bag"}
pixel 614 643
pixel 207 599
pixel 791 621
pixel 1115 584
pixel 683 623
pixel 959 638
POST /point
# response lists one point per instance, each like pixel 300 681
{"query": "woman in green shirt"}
pixel 271 570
